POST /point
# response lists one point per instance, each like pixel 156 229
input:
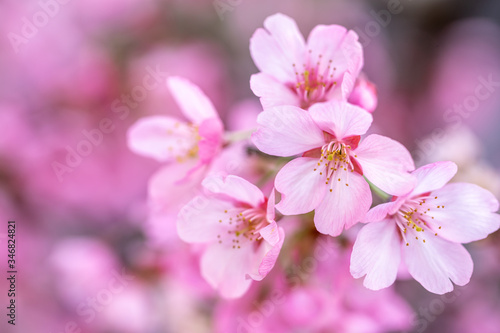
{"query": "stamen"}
pixel 311 85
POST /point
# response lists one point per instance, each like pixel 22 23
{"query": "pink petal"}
pixel 211 132
pixel 270 58
pixel 341 118
pixel 380 212
pixel 377 254
pixel 334 42
pixel 347 203
pixel 433 176
pixel 167 178
pixel 386 163
pixel 198 220
pixel 272 92
pixel 234 189
pixel 226 268
pixel 271 203
pixel 364 94
pixel 302 188
pixel 469 212
pixel 347 86
pixel 161 138
pixel 288 37
pixel 164 206
pixel 274 237
pixel 271 233
pixel 437 261
pixel 194 104
pixel 199 168
pixel 286 131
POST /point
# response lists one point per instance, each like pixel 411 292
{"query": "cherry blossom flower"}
pixel 425 229
pixel 237 223
pixel 328 177
pixel 293 72
pixel 166 138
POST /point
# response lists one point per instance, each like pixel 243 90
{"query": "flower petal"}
pixel 194 104
pixel 386 163
pixel 272 92
pixel 468 212
pixel 347 86
pixel 199 220
pixel 271 233
pixel 226 268
pixel 380 212
pixel 211 132
pixel 436 261
pixel 288 37
pixel 179 193
pixel 341 118
pixel 164 206
pixel 162 138
pixel 275 52
pixel 302 186
pixel 364 94
pixel 274 237
pixel 271 203
pixel 286 131
pixel 234 189
pixel 347 203
pixel 335 43
pixel 377 254
pixel 433 176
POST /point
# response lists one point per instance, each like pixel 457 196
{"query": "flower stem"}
pixel 381 194
pixel 235 136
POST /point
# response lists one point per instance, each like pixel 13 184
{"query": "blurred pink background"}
pixel 76 74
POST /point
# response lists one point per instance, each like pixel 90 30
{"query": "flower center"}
pixel 245 225
pixel 415 217
pixel 335 161
pixel 312 85
pixel 185 146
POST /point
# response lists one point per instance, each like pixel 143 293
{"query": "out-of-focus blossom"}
pixel 100 293
pixel 297 73
pixel 243 115
pixel 329 175
pixel 316 295
pixel 237 223
pixel 427 226
pixel 166 196
pixel 84 265
pixel 181 307
pixel 166 138
pixel 464 148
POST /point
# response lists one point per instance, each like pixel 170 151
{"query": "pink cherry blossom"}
pixel 328 177
pixel 425 229
pixel 364 94
pixel 167 138
pixel 237 223
pixel 294 72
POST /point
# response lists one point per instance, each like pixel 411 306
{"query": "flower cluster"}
pixel 311 147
